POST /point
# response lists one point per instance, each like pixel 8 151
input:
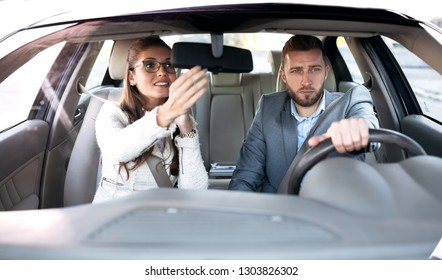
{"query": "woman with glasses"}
pixel 152 120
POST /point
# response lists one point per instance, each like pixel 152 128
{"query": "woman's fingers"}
pixel 183 94
pixel 187 81
pixel 188 88
pixel 197 90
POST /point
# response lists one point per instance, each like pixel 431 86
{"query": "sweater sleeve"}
pixel 192 173
pixel 123 142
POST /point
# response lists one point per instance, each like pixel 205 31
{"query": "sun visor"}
pixel 232 60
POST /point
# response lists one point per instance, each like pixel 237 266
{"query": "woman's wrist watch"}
pixel 189 134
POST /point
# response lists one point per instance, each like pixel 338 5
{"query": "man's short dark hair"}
pixel 302 43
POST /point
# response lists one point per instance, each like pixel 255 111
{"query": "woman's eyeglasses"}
pixel 152 66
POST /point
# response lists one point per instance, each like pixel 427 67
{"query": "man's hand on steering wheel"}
pixel 347 135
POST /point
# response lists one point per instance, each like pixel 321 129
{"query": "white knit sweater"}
pixel 120 141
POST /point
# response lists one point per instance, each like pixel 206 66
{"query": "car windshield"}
pixel 113 145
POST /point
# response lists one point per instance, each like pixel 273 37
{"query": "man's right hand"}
pixel 347 135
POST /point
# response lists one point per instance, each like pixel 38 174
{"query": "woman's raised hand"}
pixel 183 94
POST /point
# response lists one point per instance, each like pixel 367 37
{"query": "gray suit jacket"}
pixel 271 142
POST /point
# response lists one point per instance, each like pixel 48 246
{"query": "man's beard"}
pixel 305 102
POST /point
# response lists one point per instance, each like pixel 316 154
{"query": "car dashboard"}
pixel 214 224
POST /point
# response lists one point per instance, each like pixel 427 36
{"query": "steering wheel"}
pixel 316 154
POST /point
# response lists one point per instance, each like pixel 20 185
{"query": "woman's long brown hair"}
pixel 132 101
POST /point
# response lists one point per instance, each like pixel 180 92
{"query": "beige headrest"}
pixel 274 58
pixel 118 58
pixel 330 81
pixel 226 79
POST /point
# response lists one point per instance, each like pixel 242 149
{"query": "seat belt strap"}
pixel 84 90
pixel 159 172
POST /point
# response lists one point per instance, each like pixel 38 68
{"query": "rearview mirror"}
pixel 233 60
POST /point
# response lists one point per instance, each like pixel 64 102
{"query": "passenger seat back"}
pixel 225 114
pixel 84 168
pixel 229 117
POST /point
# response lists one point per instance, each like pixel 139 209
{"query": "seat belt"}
pixel 155 163
pixel 84 90
pixel 159 172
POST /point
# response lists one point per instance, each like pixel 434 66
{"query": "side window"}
pixel 19 90
pixel 425 81
pixel 100 66
pixel 349 59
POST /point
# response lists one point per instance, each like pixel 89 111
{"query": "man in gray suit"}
pixel 284 120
